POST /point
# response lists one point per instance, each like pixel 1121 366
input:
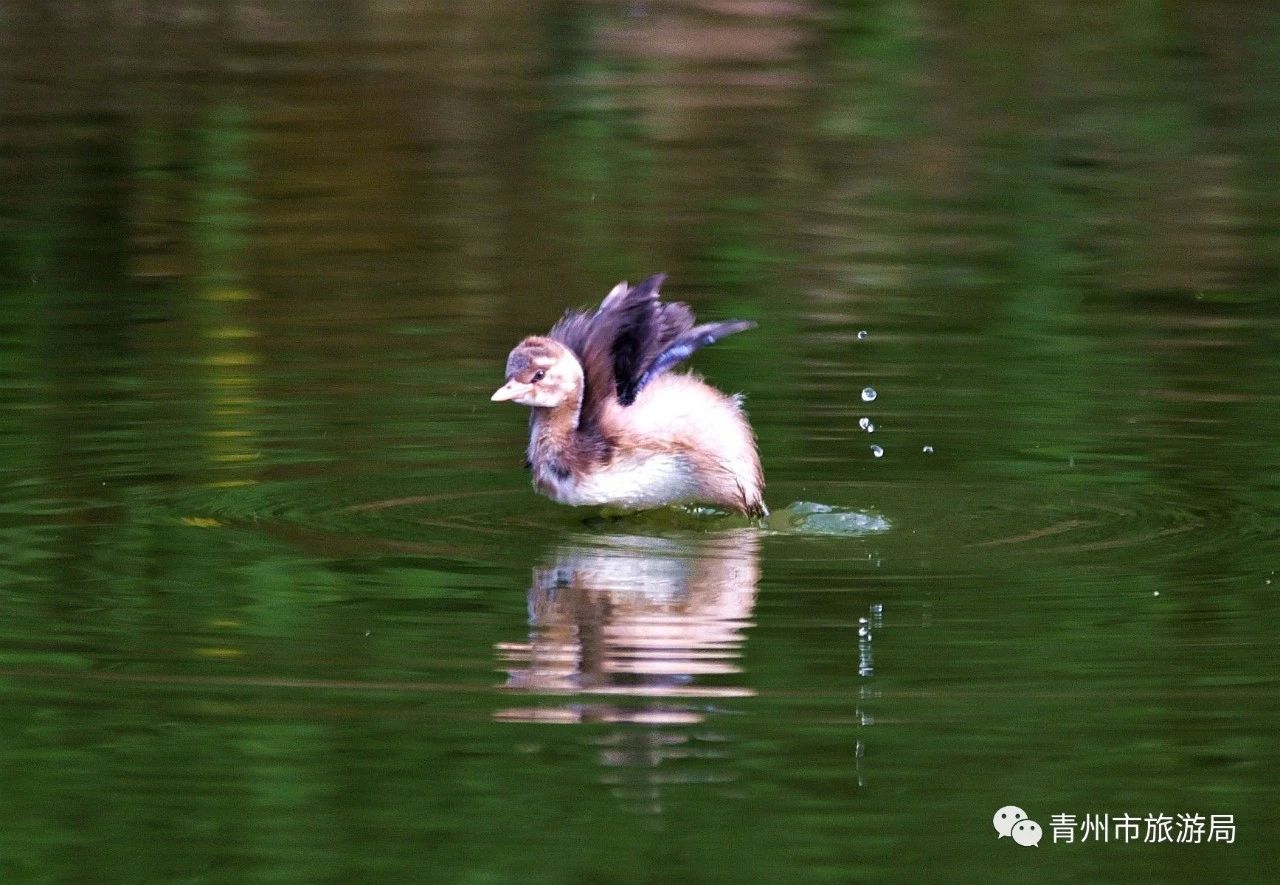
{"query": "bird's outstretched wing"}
pixel 632 338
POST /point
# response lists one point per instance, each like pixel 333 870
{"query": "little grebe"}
pixel 611 427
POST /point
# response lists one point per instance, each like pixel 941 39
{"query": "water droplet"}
pixel 862 336
pixel 865 424
pixel 868 394
pixel 928 450
pixel 877 452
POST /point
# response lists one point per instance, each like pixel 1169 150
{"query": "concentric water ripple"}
pixel 366 515
pixel 1112 522
pixel 383 514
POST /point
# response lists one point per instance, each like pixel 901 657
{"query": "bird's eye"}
pixel 539 375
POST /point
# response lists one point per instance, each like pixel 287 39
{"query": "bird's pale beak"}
pixel 510 390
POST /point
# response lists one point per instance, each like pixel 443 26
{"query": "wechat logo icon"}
pixel 1013 822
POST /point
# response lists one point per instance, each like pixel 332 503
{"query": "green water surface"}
pixel 277 602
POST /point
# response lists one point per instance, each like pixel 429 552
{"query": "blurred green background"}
pixel 277 602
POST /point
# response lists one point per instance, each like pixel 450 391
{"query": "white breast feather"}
pixel 633 482
pixel 674 411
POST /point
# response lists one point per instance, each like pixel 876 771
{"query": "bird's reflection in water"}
pixel 632 616
pixel 639 630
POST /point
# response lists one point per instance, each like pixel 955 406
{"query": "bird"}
pixel 612 426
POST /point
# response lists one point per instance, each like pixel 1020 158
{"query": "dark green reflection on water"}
pixel 277 602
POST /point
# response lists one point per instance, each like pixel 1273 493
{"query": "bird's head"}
pixel 541 372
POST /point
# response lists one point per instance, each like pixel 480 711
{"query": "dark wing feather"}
pixel 590 336
pixel 684 346
pixel 632 339
pixel 648 327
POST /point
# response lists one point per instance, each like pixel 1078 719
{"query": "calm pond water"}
pixel 278 604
